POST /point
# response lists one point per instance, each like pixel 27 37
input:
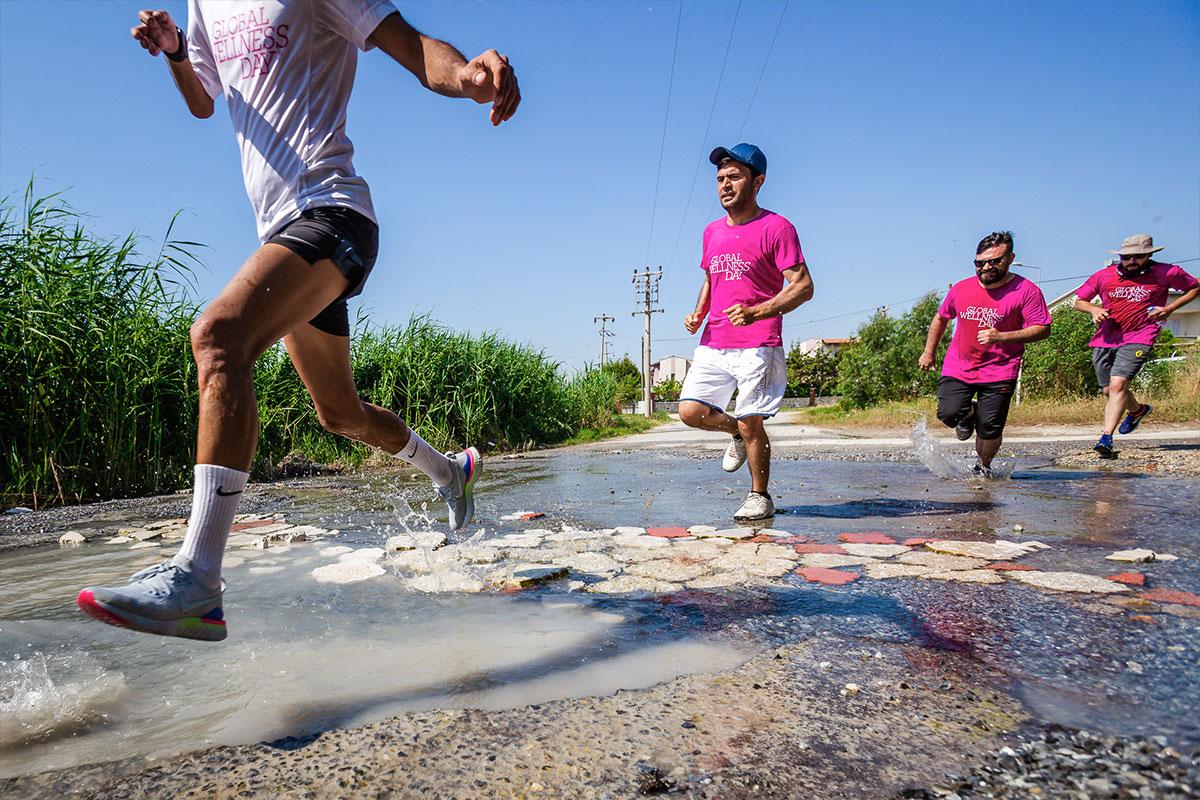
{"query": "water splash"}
pixel 948 466
pixel 42 695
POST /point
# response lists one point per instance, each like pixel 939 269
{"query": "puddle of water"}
pixel 945 465
pixel 302 657
pixel 305 656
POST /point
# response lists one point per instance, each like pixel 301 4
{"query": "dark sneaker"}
pixel 166 600
pixel 1131 421
pixel 966 427
pixel 1105 447
pixel 980 471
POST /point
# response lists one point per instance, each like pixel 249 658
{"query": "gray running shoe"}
pixel 460 494
pixel 735 455
pixel 757 506
pixel 167 600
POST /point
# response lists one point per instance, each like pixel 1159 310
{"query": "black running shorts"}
pixel 954 404
pixel 345 237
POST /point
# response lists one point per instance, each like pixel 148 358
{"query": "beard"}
pixel 990 277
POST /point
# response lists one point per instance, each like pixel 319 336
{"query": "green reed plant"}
pixel 95 371
pixel 100 392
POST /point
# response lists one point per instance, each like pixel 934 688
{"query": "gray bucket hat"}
pixel 1136 245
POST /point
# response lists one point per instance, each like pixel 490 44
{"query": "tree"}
pixel 668 390
pixel 817 370
pixel 881 363
pixel 628 378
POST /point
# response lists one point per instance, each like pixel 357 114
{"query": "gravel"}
pixel 1064 763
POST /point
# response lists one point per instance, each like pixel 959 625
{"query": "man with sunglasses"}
pixel 1133 297
pixel 997 312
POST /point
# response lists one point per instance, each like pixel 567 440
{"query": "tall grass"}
pixel 99 387
pixel 96 377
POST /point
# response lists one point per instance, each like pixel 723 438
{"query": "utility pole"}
pixel 605 334
pixel 646 287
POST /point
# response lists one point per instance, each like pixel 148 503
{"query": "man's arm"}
pixel 799 290
pixel 441 68
pixel 1032 333
pixel 1099 313
pixel 156 34
pixel 937 329
pixel 1159 314
pixel 692 321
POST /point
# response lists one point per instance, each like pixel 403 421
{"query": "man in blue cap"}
pixel 754 273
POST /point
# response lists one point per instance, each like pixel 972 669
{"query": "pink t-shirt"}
pixel 745 264
pixel 1013 306
pixel 1128 301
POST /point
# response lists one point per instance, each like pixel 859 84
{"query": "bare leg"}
pixel 698 415
pixel 274 292
pixel 1120 402
pixel 758 452
pixel 323 362
pixel 986 449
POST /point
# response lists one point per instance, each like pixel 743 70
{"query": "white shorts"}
pixel 758 373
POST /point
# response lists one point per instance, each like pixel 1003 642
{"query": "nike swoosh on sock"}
pixel 221 493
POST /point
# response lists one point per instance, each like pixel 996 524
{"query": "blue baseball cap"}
pixel 743 153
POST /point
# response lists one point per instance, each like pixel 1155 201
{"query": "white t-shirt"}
pixel 287 68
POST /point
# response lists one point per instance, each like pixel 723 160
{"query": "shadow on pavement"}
pixel 887 507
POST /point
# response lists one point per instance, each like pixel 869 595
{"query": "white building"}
pixel 669 368
pixel 831 346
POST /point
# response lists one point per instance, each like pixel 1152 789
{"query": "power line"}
pixel 704 139
pixel 741 131
pixel 763 72
pixel 663 142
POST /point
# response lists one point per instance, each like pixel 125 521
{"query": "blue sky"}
pixel 898 134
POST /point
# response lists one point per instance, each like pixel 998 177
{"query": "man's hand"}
pixel 927 360
pixel 488 78
pixel 1099 315
pixel 739 314
pixel 692 321
pixel 1159 314
pixel 990 336
pixel 156 33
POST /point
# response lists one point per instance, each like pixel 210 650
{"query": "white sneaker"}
pixel 757 506
pixel 735 455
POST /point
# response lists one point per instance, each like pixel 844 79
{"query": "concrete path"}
pixel 785 433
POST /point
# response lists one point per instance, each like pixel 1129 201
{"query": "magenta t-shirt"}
pixel 745 264
pixel 1013 306
pixel 1128 301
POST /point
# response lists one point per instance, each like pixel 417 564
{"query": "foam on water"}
pixel 42 695
pixel 945 465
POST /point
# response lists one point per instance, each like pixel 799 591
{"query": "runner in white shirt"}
pixel 286 70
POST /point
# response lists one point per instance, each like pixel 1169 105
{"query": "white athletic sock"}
pixel 215 497
pixel 418 453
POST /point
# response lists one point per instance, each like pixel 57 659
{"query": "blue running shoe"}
pixel 1105 447
pixel 166 600
pixel 1131 421
pixel 460 494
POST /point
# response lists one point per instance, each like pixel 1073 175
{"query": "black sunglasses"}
pixel 1134 256
pixel 991 262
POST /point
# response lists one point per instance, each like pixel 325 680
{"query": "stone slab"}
pixel 1068 582
pixel 831 560
pixel 342 572
pixel 966 576
pixel 631 584
pixel 939 562
pixel 423 540
pixel 814 547
pixel 870 537
pixel 875 550
pixel 991 551
pixel 884 570
pixel 829 577
pixel 663 569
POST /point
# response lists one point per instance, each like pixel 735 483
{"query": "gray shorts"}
pixel 1119 362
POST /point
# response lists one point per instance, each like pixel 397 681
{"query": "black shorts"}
pixel 345 237
pixel 954 404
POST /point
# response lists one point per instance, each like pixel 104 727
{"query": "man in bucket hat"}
pixel 1133 297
